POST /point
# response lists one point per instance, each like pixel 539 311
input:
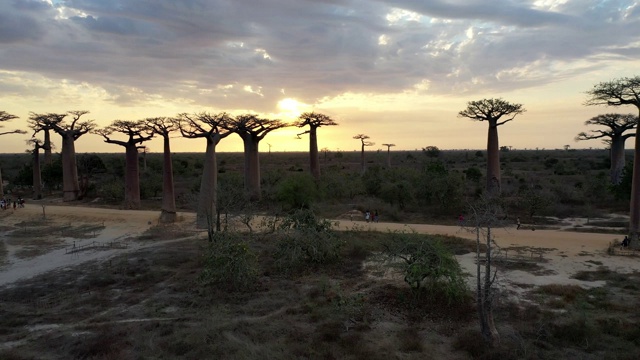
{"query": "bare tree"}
pixel 212 128
pixel 491 111
pixel 314 120
pixel 619 92
pixel 69 132
pixel 363 142
pixel 615 136
pixel 389 153
pixel 5 116
pixel 137 133
pixel 164 127
pixel 252 129
pixel 37 174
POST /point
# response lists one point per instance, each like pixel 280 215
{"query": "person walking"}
pixel 518 223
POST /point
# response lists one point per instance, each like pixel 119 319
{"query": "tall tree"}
pixel 212 128
pixel 164 127
pixel 363 142
pixel 69 132
pixel 37 173
pixel 5 116
pixel 137 133
pixel 314 120
pixel 492 111
pixel 37 125
pixel 389 153
pixel 619 92
pixel 252 129
pixel 615 136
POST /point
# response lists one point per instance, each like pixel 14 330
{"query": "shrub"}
pixel 297 191
pixel 230 263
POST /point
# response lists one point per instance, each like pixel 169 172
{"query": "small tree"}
pixel 313 120
pixel 492 111
pixel 137 133
pixel 619 92
pixel 363 142
pixel 615 135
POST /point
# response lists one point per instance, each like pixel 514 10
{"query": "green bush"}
pixel 230 263
pixel 296 192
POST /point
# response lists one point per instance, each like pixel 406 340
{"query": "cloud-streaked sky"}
pixel 398 71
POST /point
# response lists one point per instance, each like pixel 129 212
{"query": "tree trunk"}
pixel 634 213
pixel 1 185
pixel 46 145
pixel 364 169
pixel 131 178
pixel 493 160
pixel 168 214
pixel 484 300
pixel 208 186
pixel 252 168
pixel 37 178
pixel 314 160
pixel 617 159
pixel 70 185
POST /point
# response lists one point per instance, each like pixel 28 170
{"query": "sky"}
pixel 398 71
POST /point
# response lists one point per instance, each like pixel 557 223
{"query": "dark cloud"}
pixel 211 52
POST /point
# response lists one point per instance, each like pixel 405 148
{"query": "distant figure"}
pixel 367 216
pixel 625 242
pixel 376 217
pixel 518 223
pixel 460 220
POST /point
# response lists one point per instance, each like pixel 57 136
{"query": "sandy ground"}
pixel 559 254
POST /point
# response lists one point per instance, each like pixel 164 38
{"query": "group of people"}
pixel 368 217
pixel 6 203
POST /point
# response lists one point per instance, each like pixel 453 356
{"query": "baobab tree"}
pixel 615 136
pixel 389 153
pixel 137 132
pixel 252 129
pixel 164 127
pixel 619 92
pixel 69 132
pixel 37 126
pixel 37 174
pixel 363 142
pixel 314 120
pixel 5 116
pixel 212 128
pixel 492 111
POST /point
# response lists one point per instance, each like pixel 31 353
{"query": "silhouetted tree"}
pixel 37 126
pixel 5 116
pixel 363 142
pixel 314 120
pixel 491 111
pixel 618 92
pixel 615 136
pixel 37 173
pixel 164 127
pixel 389 153
pixel 252 129
pixel 212 128
pixel 137 133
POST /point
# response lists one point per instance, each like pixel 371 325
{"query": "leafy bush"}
pixel 427 264
pixel 297 191
pixel 230 263
pixel 307 239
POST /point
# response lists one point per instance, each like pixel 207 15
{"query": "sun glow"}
pixel 291 107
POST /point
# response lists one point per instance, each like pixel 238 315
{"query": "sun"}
pixel 291 107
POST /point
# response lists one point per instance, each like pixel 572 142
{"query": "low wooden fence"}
pixel 96 245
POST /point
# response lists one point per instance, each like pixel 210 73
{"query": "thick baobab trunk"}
pixel 314 160
pixel 46 145
pixel 364 169
pixel 131 178
pixel 168 213
pixel 37 178
pixel 208 196
pixel 617 159
pixel 634 213
pixel 389 157
pixel 70 185
pixel 252 168
pixel 493 160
